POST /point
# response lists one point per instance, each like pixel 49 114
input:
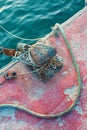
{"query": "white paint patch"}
pixel 60 121
pixel 65 73
pixel 78 109
pixel 75 45
pixel 13 125
pixel 6 112
pixel 84 124
pixel 37 93
pixel 71 92
pixel 39 124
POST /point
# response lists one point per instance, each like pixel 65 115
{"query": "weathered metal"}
pixel 44 56
pixel 54 96
pixel 9 52
pixel 37 56
pixel 49 70
pixel 41 54
pixel 9 75
pixel 23 46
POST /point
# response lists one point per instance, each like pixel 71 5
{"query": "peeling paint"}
pixel 60 121
pixel 79 109
pixel 13 125
pixel 65 73
pixel 71 92
pixel 7 112
pixel 76 119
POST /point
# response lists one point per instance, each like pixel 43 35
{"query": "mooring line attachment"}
pixel 21 38
pixel 48 116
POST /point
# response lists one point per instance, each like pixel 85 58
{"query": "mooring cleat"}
pixel 40 59
pixel 44 57
pixel 41 54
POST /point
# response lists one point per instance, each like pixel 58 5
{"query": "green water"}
pixel 32 19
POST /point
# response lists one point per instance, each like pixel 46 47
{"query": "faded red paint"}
pixel 54 96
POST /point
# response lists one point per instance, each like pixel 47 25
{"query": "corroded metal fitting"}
pixel 49 70
pixel 41 54
pixel 39 57
pixel 9 75
pixel 44 57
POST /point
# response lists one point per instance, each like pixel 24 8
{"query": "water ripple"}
pixel 32 18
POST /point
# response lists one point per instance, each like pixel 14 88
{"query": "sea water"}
pixel 32 19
